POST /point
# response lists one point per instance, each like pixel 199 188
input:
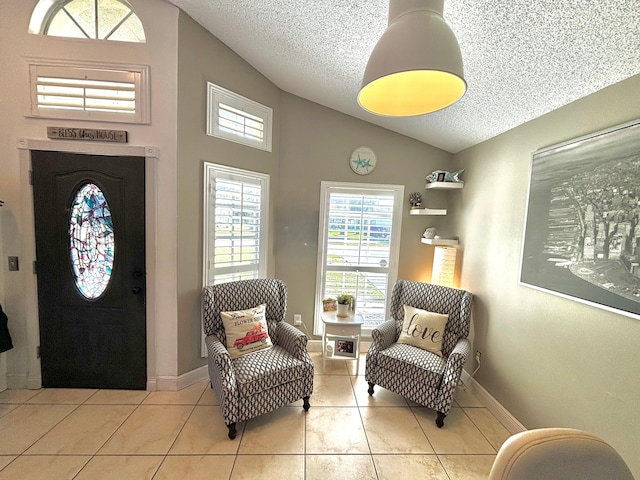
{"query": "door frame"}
pixel 150 153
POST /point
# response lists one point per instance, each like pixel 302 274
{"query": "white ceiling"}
pixel 522 58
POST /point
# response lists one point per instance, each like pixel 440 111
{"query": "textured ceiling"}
pixel 522 58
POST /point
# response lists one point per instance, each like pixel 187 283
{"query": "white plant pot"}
pixel 343 310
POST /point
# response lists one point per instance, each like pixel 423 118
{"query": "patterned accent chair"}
pixel 261 381
pixel 414 373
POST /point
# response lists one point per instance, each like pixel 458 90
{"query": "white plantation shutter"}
pixel 238 119
pixel 235 226
pixel 70 93
pixel 237 122
pixel 89 93
pixel 359 238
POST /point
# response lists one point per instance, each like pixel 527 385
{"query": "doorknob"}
pixel 136 290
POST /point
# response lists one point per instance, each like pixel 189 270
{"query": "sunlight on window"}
pixel 93 19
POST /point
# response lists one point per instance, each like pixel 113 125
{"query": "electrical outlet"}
pixel 297 319
pixel 478 356
pixel 13 264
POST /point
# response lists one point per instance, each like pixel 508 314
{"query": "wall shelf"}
pixel 436 186
pixel 437 211
pixel 444 186
pixel 439 241
pixel 428 211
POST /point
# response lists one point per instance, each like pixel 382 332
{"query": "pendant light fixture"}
pixel 416 66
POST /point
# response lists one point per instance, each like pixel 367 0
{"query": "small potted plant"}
pixel 344 305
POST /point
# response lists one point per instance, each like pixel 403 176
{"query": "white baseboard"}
pixel 34 382
pixel 510 422
pixel 23 380
pixel 175 383
pixel 314 346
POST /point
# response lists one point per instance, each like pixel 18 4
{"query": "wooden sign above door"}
pixel 87 134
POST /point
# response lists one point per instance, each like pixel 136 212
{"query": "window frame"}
pixel 216 95
pixel 212 170
pixel 45 11
pixel 238 173
pixel 137 74
pixel 326 189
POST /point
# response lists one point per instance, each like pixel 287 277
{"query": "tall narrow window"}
pixel 235 224
pixel 92 19
pixel 358 246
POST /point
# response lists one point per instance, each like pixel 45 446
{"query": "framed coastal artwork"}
pixel 582 238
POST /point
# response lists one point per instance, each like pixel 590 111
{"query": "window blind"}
pixel 235 224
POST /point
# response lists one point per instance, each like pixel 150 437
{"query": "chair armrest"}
pixel 383 336
pixel 223 379
pixel 452 372
pixel 217 351
pixel 456 360
pixel 292 340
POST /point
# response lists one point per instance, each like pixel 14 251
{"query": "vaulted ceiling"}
pixel 522 58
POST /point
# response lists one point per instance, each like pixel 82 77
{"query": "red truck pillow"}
pixel 246 331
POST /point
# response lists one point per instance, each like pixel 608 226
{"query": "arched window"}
pixel 93 19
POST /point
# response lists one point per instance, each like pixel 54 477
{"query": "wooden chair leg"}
pixel 440 419
pixel 306 404
pixel 371 385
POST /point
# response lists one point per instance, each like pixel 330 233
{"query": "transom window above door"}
pixel 91 19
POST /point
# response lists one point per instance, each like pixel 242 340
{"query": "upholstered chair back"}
pixel 438 299
pixel 232 296
pixel 559 454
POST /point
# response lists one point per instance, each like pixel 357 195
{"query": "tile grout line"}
pixel 45 433
pixel 353 390
pixel 164 457
pixel 353 382
pixel 480 430
pixel 413 412
pixel 54 426
pixel 95 454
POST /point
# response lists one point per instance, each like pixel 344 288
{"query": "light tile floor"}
pixel 107 434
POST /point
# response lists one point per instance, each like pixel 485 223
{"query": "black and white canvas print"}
pixel 582 237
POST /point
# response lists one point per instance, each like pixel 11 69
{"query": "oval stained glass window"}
pixel 91 241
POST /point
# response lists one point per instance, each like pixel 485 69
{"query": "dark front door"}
pixel 90 251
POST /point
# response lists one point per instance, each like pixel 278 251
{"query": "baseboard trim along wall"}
pixel 510 422
pixel 177 382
